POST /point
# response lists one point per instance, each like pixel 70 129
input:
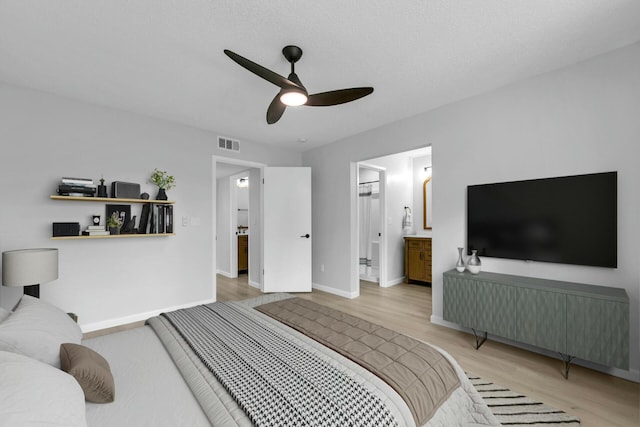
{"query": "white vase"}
pixel 460 263
pixel 474 264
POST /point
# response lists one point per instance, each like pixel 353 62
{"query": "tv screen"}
pixel 568 220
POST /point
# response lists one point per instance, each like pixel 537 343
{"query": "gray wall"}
pixel 580 119
pixel 107 282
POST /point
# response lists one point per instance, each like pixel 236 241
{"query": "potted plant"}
pixel 164 181
pixel 114 223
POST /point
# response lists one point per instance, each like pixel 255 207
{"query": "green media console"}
pixel 576 320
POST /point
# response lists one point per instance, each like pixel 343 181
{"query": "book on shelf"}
pixel 168 222
pixel 160 219
pixel 144 219
pixel 76 194
pixel 75 190
pixel 81 188
pixel 95 228
pixel 77 181
pixel 96 233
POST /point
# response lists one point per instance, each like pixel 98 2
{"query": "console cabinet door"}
pixel 542 319
pixel 496 309
pixel 598 330
pixel 459 300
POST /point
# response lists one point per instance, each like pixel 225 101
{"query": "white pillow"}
pixel 4 313
pixel 36 329
pixel 33 393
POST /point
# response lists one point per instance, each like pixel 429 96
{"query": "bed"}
pixel 271 360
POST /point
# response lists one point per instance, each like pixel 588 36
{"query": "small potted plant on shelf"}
pixel 164 181
pixel 114 223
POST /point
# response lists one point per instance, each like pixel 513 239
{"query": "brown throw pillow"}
pixel 90 370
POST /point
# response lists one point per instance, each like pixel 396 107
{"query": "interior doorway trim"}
pixel 214 216
pixel 382 241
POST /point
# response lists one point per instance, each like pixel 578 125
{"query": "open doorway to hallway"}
pixel 237 220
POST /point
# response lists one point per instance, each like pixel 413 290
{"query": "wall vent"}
pixel 225 143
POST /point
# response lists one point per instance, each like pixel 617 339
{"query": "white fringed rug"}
pixel 514 409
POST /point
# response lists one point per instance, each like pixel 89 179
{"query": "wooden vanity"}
pixel 417 259
pixel 243 253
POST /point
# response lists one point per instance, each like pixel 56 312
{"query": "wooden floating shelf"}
pixel 112 236
pixel 111 200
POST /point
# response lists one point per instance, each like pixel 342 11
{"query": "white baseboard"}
pixel 631 375
pixel 89 327
pixel 370 278
pixel 392 282
pixel 226 274
pixel 334 291
pixel 255 284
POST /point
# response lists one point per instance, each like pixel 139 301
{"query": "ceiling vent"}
pixel 225 143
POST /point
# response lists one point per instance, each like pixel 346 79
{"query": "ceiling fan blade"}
pixel 336 97
pixel 275 110
pixel 260 71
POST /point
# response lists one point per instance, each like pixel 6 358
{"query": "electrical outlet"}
pixel 185 221
pixel 322 268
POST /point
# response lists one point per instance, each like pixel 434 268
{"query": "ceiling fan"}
pixel 292 92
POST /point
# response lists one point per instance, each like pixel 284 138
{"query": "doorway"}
pixel 397 211
pixel 272 200
pixel 237 213
pixel 370 217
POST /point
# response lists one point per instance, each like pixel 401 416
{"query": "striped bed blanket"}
pixel 246 368
pixel 276 381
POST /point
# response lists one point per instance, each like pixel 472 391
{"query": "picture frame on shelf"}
pixel 123 212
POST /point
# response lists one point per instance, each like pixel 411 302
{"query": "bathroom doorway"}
pixel 380 221
pixel 369 222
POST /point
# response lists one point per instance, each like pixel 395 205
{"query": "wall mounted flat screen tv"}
pixel 567 220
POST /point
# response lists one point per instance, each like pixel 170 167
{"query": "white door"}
pixel 287 229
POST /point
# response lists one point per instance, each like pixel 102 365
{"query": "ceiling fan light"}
pixel 293 98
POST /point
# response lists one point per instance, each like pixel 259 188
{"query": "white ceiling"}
pixel 164 58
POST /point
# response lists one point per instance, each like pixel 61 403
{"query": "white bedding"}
pixel 150 390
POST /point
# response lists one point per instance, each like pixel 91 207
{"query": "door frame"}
pixel 233 220
pixel 214 216
pixel 382 241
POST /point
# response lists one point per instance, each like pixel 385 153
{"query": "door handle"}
pixel 306 236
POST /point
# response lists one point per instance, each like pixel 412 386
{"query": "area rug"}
pixel 514 409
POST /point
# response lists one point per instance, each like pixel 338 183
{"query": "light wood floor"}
pixel 597 399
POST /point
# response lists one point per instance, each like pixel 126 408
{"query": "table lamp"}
pixel 29 268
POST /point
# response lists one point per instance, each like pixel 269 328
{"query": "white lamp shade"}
pixel 27 267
